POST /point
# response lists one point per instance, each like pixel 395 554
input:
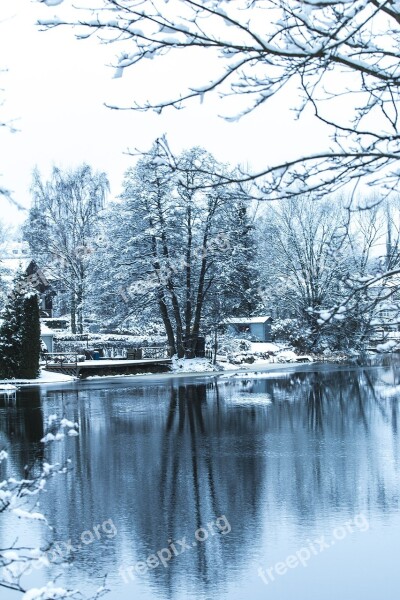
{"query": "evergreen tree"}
pixel 241 275
pixel 30 337
pixel 10 332
pixel 20 333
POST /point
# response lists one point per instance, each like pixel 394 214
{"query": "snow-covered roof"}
pixel 14 250
pixel 44 330
pixel 244 321
pixel 14 264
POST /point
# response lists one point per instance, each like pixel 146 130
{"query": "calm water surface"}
pixel 280 486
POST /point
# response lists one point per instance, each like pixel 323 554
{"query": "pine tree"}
pixel 30 337
pixel 240 281
pixel 20 333
pixel 10 332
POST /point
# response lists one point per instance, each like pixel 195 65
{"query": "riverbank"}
pixel 190 368
pixel 259 358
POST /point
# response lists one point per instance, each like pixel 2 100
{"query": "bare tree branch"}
pixel 325 50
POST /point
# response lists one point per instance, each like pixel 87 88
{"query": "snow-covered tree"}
pixel 335 60
pixel 240 283
pixel 11 331
pixel 373 280
pixel 3 237
pixel 61 223
pixel 318 259
pixel 317 52
pixel 20 332
pixel 30 338
pixel 305 260
pixel 170 242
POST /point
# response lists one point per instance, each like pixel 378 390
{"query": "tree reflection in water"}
pixel 163 459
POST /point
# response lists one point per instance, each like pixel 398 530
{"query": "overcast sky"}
pixel 55 89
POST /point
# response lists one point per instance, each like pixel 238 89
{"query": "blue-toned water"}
pixel 280 486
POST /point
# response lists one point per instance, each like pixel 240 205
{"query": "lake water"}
pixel 279 486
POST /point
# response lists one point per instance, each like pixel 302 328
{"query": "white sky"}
pixel 55 87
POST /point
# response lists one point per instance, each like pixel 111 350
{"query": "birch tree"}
pixel 62 220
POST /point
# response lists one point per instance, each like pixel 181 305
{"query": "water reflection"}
pixel 279 456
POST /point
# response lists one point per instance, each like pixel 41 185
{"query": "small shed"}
pixel 258 329
pixel 47 336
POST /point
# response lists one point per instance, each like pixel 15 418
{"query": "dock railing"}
pixel 61 359
pixel 149 352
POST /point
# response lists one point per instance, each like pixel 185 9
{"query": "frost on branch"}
pixel 317 51
pixel 19 500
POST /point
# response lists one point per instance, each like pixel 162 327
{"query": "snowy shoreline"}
pixel 255 369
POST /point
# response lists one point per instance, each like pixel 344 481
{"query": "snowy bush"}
pixel 293 332
pixel 228 344
pixel 20 344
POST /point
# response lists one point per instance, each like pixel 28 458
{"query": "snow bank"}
pixel 387 346
pixel 190 365
pixel 264 347
pixel 44 377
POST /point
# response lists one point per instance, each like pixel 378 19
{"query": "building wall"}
pixel 48 340
pixel 257 330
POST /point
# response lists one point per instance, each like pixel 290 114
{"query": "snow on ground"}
pixel 264 347
pixel 44 377
pixel 190 365
pixel 287 355
pixel 50 377
pixel 259 354
pixel 387 346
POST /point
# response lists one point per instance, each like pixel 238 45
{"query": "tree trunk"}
pixel 73 311
pixel 188 307
pixel 170 287
pixel 215 348
pixel 199 298
pixel 167 323
pixel 79 308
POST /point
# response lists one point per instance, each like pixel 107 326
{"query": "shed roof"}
pixel 244 321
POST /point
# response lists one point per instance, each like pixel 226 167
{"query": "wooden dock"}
pixel 68 364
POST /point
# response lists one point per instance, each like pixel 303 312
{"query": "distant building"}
pixel 40 283
pixel 258 329
pixel 14 257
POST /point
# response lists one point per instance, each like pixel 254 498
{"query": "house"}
pixel 257 329
pixel 14 257
pixel 40 283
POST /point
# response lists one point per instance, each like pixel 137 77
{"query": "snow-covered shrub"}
pixel 20 333
pixel 232 345
pixel 293 332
